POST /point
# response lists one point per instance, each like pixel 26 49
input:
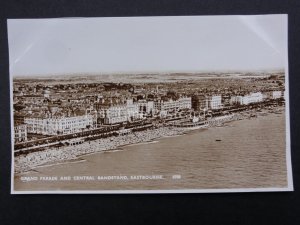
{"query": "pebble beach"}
pixel 55 155
pixel 50 156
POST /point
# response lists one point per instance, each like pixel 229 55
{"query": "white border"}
pixel 287 115
pixel 174 191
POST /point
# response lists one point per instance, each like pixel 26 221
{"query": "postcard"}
pixel 170 104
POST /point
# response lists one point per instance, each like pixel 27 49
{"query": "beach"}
pixel 56 155
pixel 71 153
pixel 249 153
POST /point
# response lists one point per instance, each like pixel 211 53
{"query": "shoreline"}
pixel 52 156
pixel 79 160
pixel 69 154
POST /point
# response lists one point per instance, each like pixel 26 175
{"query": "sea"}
pixel 249 153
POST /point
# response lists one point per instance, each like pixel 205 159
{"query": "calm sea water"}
pixel 250 154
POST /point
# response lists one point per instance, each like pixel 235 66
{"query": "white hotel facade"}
pixel 170 105
pixel 119 113
pixel 60 125
pixel 214 102
pixel 115 114
pixel 247 99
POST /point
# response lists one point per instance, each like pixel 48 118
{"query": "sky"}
pixel 41 47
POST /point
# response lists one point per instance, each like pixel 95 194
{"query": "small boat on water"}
pixel 218 140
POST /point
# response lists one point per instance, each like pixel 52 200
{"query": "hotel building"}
pixel 114 114
pixel 173 105
pixel 20 133
pixel 201 102
pixel 247 99
pixel 214 102
pixel 59 125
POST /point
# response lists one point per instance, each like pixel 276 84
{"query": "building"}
pixel 173 105
pixel 119 113
pixel 255 97
pixel 20 133
pixel 114 114
pixel 202 102
pixel 59 125
pixel 247 99
pixel 35 125
pixel 199 102
pixel 267 95
pixel 236 100
pixel 33 99
pixel 46 93
pixel 132 110
pixel 214 102
pixel 276 94
pixel 226 99
pixel 145 107
pixel 185 103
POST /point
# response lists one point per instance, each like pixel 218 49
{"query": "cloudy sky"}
pixel 40 47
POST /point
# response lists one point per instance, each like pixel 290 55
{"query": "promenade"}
pixel 58 154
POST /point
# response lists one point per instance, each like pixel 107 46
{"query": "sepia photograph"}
pixel 169 104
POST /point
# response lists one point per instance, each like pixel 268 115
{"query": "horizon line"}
pixel 144 73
